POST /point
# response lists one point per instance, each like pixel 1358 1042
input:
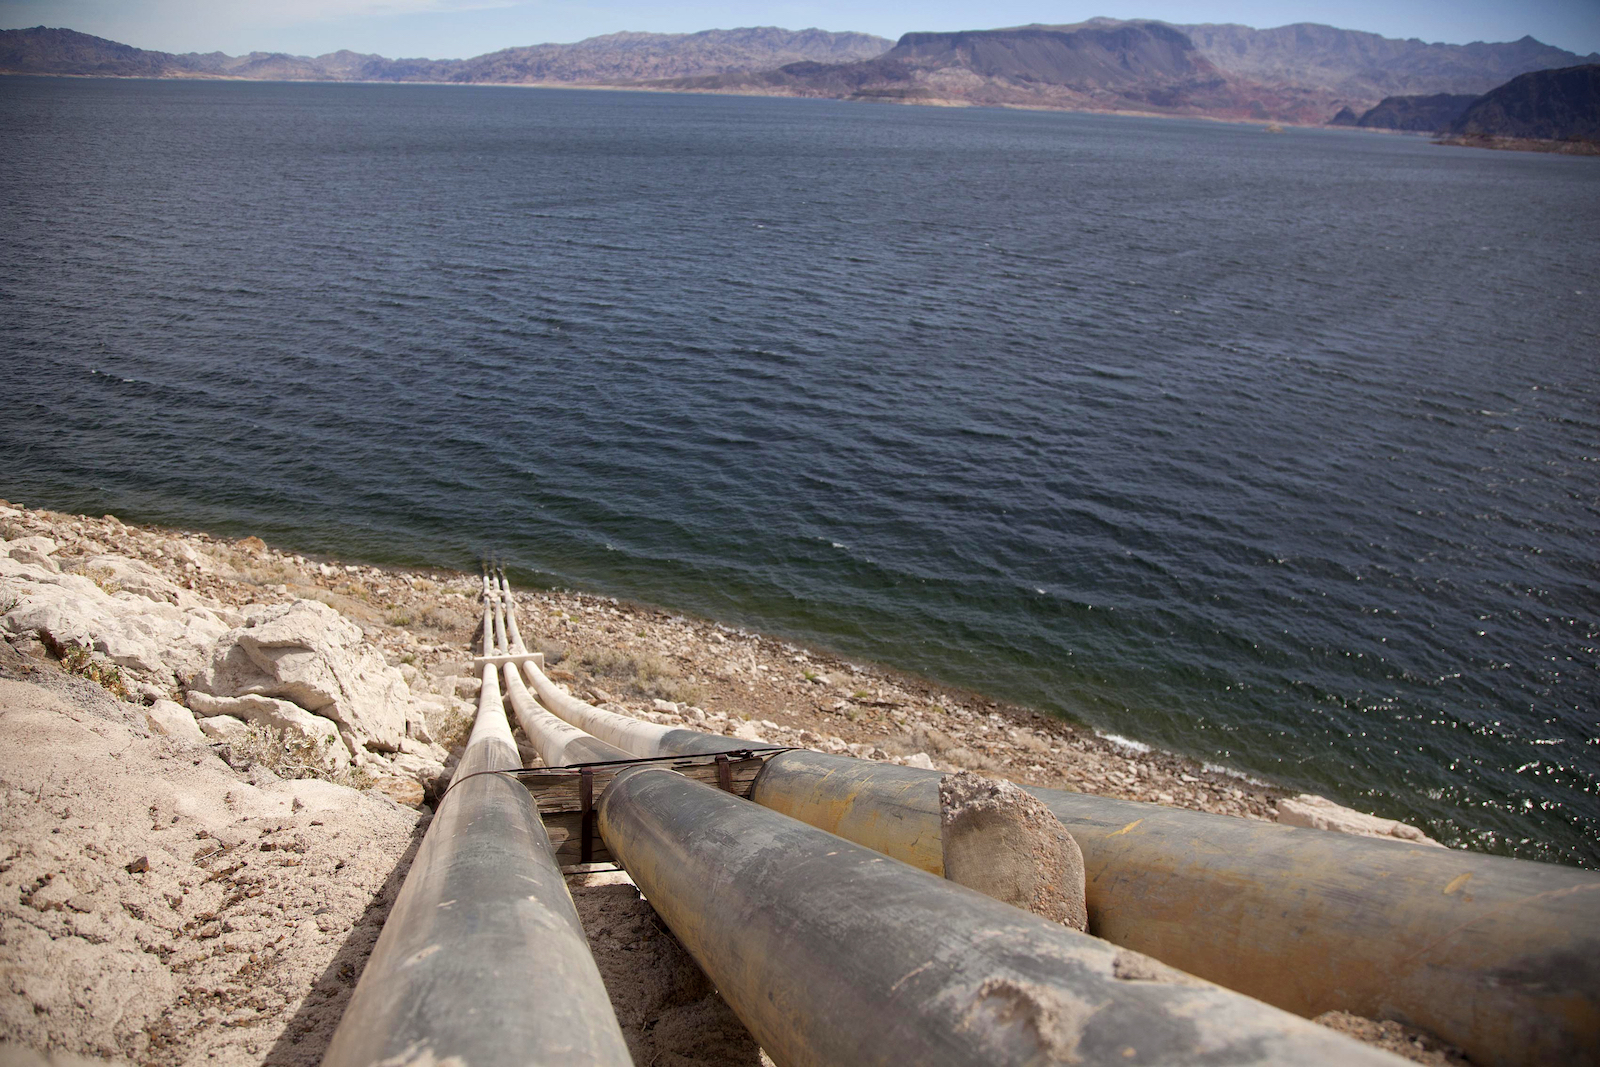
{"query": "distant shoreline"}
pixel 1511 144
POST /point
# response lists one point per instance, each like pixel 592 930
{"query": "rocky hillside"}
pixel 1551 105
pixel 1416 114
pixel 50 51
pixel 628 57
pixel 1364 66
pixel 1304 73
pixel 612 59
pixel 1105 66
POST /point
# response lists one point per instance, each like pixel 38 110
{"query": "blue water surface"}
pixel 1279 451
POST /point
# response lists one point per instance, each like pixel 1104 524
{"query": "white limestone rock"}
pixel 224 728
pixel 277 714
pixel 172 719
pixel 307 653
pixel 1320 813
pixel 133 576
pixel 159 639
pixel 35 551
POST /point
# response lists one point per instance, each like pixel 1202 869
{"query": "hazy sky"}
pixel 443 29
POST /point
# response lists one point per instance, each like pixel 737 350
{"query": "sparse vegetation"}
pixel 643 674
pixel 444 618
pixel 103 579
pixel 290 755
pixel 453 731
pixel 75 659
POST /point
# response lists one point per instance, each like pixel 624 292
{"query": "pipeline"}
pixel 559 743
pixel 1499 956
pixel 482 960
pixel 633 736
pixel 831 953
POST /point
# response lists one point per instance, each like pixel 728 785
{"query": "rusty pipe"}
pixel 1499 956
pixel 831 953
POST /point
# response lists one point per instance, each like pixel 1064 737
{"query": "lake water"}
pixel 1279 451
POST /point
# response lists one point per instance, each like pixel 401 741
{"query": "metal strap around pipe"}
pixel 1496 955
pixel 482 959
pixel 831 953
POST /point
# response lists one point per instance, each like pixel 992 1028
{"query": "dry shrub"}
pixel 452 732
pixel 442 618
pixel 75 659
pixel 293 755
pixel 643 673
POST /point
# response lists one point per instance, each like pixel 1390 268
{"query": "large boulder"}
pixel 33 550
pixel 317 736
pixel 154 637
pixel 307 653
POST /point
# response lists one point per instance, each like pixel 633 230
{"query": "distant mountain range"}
pixel 1303 73
pixel 618 58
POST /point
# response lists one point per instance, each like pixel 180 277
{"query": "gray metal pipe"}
pixel 833 954
pixel 482 960
pixel 1499 956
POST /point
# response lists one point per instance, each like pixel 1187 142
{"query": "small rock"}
pixel 224 728
pixel 406 791
pixel 138 866
pixel 54 894
pixel 172 719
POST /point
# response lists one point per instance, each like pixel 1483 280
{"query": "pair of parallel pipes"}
pixel 1498 956
pixel 831 953
pixel 823 948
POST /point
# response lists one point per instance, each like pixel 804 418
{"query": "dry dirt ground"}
pixel 158 905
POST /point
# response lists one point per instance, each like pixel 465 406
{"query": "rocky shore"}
pixel 218 756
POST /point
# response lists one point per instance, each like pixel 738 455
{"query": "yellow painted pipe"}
pixel 1499 956
pixel 834 954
